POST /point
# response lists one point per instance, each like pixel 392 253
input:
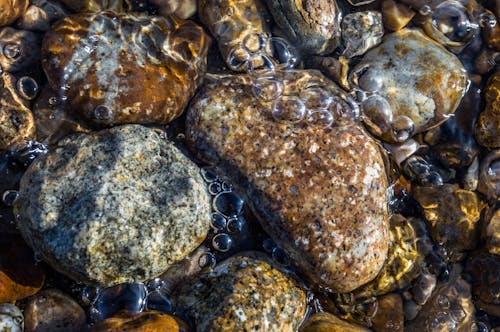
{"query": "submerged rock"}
pixel 11 318
pixel 310 173
pixel 11 10
pixel 488 123
pixel 326 322
pixel 412 84
pixel 113 206
pixel 142 322
pixel 243 293
pixel 122 68
pixel 21 50
pixel 361 31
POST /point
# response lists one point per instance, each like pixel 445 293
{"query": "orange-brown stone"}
pixel 11 10
pixel 150 321
pixel 488 124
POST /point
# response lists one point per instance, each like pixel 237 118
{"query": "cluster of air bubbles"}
pixel 259 51
pixel 422 172
pixel 11 51
pixel 487 20
pixel 452 20
pixel 278 254
pixel 129 297
pixel 227 216
pixel 9 197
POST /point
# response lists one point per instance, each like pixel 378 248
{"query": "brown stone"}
pixel 491 230
pixel 123 68
pixel 389 316
pixel 319 191
pixel 94 5
pixel 150 321
pixel 488 123
pixel 396 15
pixel 180 8
pixel 20 275
pixel 491 33
pixel 326 322
pixel 11 10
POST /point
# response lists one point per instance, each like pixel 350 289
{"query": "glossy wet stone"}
pixel 360 32
pixel 16 119
pixel 41 14
pixel 319 189
pixel 396 15
pixel 326 322
pixel 113 206
pixel 450 308
pixel 11 10
pixel 180 8
pixel 124 68
pixel 93 5
pixel 488 124
pixel 20 275
pixel 11 318
pixel 53 311
pixel 406 94
pixel 311 25
pixel 242 293
pixel 452 215
pixel 491 230
pixel 389 316
pixel 20 49
pixel 149 321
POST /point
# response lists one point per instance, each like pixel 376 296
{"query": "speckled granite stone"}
pixel 113 206
pixel 243 293
pixel 320 192
pixel 422 82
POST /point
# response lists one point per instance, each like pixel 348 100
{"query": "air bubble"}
pixel 30 152
pixel 218 222
pixel 88 295
pixel 402 128
pixel 425 10
pixel 208 174
pixel 12 51
pixel 207 260
pixel 228 204
pixel 222 242
pixel 443 322
pixel 54 102
pixel 267 87
pixel 254 43
pixel 280 256
pixel 155 283
pixel 283 52
pixel 159 301
pixel 443 302
pixel 215 188
pixel 268 245
pixel 458 314
pixel 321 118
pixel 239 59
pixel 235 225
pixel 27 87
pixel 451 19
pixel 315 98
pixel 289 109
pixel 487 20
pixel 128 296
pixel 9 197
pixel 103 113
pixel 226 186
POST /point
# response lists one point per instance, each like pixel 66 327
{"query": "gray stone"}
pixel 114 206
pixel 11 318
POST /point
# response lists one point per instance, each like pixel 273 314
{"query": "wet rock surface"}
pixel 143 322
pixel 360 32
pixel 21 49
pixel 97 207
pixel 408 94
pixel 488 124
pixel 319 192
pixel 10 10
pixel 89 60
pixel 326 322
pixel 242 293
pixel 54 311
pixel 11 318
pixel 389 316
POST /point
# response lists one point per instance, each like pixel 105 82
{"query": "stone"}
pixel 241 30
pixel 180 8
pixel 313 26
pixel 242 293
pixel 40 15
pixel 80 6
pixel 361 31
pixel 488 123
pixel 21 50
pixel 491 230
pixel 53 311
pixel 16 119
pixel 489 169
pixel 149 321
pixel 118 205
pixel 326 322
pixel 11 318
pixel 423 287
pixel 413 84
pixel 11 10
pixel 453 216
pixel 450 308
pixel 389 316
pixel 396 15
pixel 124 68
pixel 20 275
pixel 313 177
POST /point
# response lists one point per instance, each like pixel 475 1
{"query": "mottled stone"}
pixel 312 25
pixel 423 287
pixel 389 316
pixel 488 123
pixel 452 215
pixel 113 206
pixel 94 5
pixel 449 309
pixel 361 31
pixel 413 83
pixel 326 322
pixel 319 190
pixel 53 311
pixel 149 321
pixel 484 269
pixel 243 293
pixel 489 170
pixel 491 33
pixel 41 14
pixel 20 275
pixel 179 8
pixel 125 68
pixel 491 230
pixel 11 318
pixel 21 49
pixel 396 15
pixel 11 10
pixel 16 119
